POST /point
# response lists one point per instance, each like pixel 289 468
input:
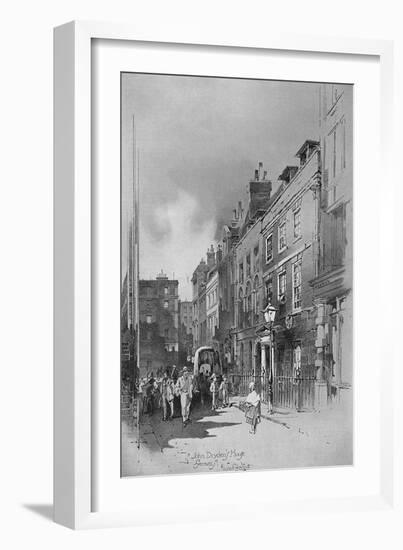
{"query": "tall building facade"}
pixel 292 250
pixel 332 285
pixel 248 266
pixel 186 315
pixel 159 324
pixel 289 259
pixel 185 332
pixel 212 307
pixel 199 281
pixel 226 274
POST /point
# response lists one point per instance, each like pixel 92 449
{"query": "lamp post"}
pixel 269 314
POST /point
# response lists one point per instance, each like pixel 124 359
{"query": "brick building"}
pixel 199 282
pixel 186 315
pixel 212 307
pixel 226 274
pixel 289 259
pixel 159 324
pixel 248 265
pixel 293 250
pixel 185 331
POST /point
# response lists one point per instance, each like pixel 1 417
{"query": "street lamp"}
pixel 269 314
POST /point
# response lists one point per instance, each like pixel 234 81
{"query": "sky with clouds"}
pixel 200 140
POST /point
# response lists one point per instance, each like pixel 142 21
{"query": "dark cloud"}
pixel 205 136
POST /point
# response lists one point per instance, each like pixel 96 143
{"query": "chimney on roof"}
pixel 260 170
pixel 259 191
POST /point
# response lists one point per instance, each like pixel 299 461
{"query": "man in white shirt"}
pixel 167 395
pixel 184 387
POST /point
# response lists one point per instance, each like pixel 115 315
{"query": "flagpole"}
pixel 136 199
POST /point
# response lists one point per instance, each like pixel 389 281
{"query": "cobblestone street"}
pixel 219 441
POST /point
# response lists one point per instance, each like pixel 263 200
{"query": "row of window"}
pixel 245 269
pixel 212 297
pixel 148 304
pixel 335 149
pixel 212 324
pixel 282 285
pixel 171 347
pixel 149 335
pixel 150 291
pixel 248 304
pixel 282 235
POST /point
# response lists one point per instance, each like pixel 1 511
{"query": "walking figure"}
pixel 167 396
pixel 252 412
pixel 184 386
pixel 214 392
pixel 224 392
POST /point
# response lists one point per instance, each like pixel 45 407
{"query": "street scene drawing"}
pixel 236 274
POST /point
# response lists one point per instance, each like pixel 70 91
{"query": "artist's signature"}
pixel 227 460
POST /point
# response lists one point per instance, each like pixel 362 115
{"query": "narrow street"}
pixel 218 441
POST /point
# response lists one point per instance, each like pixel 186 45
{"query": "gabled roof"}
pixel 305 145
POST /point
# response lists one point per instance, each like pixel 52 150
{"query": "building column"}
pixel 263 358
pixel 316 190
pixel 321 383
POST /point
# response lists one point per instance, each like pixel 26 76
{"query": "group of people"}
pixel 219 390
pixel 168 390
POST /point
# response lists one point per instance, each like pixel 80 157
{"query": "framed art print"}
pixel 214 226
pixel 237 287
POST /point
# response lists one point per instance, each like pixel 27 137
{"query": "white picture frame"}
pixel 76 469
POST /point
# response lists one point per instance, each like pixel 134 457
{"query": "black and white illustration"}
pixel 236 274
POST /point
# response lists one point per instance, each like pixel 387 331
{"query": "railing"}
pixel 240 384
pixel 293 392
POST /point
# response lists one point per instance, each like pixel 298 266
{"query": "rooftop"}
pixel 308 144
